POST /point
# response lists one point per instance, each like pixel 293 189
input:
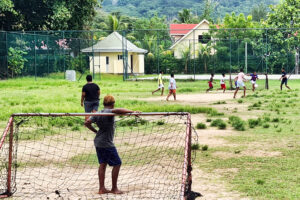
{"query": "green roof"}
pixel 113 43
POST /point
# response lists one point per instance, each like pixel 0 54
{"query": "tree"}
pixel 186 54
pixel 16 61
pixel 47 14
pixel 208 10
pixel 7 14
pixel 205 52
pixel 284 41
pixel 259 12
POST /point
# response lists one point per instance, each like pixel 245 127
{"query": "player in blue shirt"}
pixel 254 77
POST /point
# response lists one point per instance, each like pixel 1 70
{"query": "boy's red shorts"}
pixel 210 85
pixel 172 91
pixel 223 86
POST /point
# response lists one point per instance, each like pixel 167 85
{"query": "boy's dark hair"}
pixel 89 78
pixel 223 74
pixel 283 68
pixel 212 74
pixel 160 71
pixel 172 75
pixel 241 70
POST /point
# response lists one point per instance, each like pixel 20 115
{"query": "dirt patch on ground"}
pixel 212 188
pixel 201 98
pixel 248 152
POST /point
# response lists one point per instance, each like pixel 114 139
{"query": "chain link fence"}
pixel 134 52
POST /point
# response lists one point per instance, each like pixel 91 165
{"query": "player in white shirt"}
pixel 172 88
pixel 240 83
pixel 222 83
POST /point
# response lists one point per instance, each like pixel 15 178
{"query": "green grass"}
pixel 273 126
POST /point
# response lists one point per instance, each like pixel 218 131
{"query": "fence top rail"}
pixel 130 30
pixel 100 114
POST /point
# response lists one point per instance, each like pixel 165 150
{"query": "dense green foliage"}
pixel 142 8
pixel 47 14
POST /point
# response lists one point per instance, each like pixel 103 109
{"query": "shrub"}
pixel 222 125
pixel 254 122
pixel 195 146
pixel 216 122
pixel 240 101
pixel 204 148
pixel 266 125
pixel 276 119
pixel 201 126
pixel 208 120
pixel 237 123
pixel 160 122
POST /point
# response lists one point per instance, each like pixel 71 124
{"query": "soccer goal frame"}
pixel 11 168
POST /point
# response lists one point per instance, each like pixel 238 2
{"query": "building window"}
pixel 107 60
pixel 120 57
pixel 204 39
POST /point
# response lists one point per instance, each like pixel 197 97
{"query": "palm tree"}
pixel 185 54
pixel 185 16
pixel 204 53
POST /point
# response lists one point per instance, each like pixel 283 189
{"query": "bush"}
pixel 222 125
pixel 208 120
pixel 276 119
pixel 204 148
pixel 216 122
pixel 195 147
pixel 200 126
pixel 237 123
pixel 240 101
pixel 266 125
pixel 254 122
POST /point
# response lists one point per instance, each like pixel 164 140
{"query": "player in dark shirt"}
pixel 254 77
pixel 90 96
pixel 105 148
pixel 283 79
pixel 210 83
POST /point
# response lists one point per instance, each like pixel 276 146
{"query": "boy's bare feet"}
pixel 116 191
pixel 103 191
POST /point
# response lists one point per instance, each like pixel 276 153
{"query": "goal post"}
pixel 50 155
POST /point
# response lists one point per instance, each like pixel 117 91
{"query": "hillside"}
pixel 170 8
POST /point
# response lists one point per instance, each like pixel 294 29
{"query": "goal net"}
pixel 50 156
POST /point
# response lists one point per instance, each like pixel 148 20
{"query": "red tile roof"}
pixel 181 29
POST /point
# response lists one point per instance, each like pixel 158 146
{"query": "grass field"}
pixel 261 157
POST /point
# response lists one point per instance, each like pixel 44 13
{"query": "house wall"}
pixel 190 41
pixel 115 66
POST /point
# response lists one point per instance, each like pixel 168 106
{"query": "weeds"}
pixel 201 126
pixel 237 123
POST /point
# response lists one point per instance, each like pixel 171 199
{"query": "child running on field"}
pixel 172 88
pixel 160 84
pixel 240 83
pixel 210 83
pixel 254 77
pixel 222 83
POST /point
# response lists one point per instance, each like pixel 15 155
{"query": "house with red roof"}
pixel 188 36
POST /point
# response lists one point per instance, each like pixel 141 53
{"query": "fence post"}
pixel 194 57
pixel 93 55
pixel 157 51
pixel 35 73
pixel 230 79
pixel 48 52
pixel 63 34
pixel 6 46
